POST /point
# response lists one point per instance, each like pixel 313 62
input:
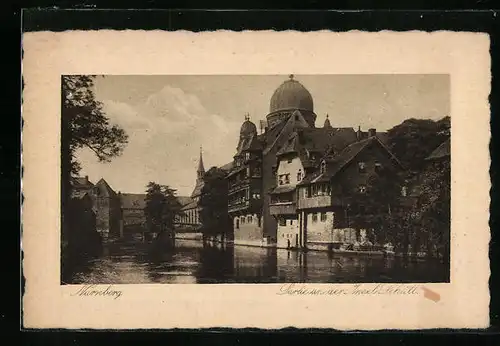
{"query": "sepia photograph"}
pixel 169 175
pixel 209 179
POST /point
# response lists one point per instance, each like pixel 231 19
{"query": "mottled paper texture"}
pixel 462 303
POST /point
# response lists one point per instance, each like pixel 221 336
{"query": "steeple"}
pixel 201 169
pixel 327 122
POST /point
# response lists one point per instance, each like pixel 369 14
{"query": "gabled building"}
pixel 324 197
pixel 264 201
pixel 190 218
pixel 245 186
pixel 107 209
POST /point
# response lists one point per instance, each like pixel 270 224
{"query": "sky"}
pixel 168 118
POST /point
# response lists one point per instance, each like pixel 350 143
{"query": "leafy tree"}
pixel 434 208
pixel 213 202
pixel 162 206
pixel 414 139
pixel 83 125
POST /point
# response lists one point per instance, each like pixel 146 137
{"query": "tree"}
pixel 214 214
pixel 414 139
pixel 434 208
pixel 83 125
pixel 374 210
pixel 162 206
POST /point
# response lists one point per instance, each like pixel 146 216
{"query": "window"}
pixel 237 223
pixel 404 191
pixel 247 156
pixel 287 178
pixel 299 175
pixel 256 171
pixel 362 189
pixel 249 219
pixel 282 222
pixel 289 160
pixel 314 217
pixel 323 217
pixel 259 219
pixel 361 167
pixel 323 167
pixel 378 167
pixel 242 220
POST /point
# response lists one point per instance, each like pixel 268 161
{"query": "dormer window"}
pixel 323 167
pixel 361 167
pixel 378 166
pixel 299 175
pixel 247 156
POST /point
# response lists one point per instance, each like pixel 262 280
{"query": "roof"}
pixel 283 189
pixel 104 188
pixel 79 194
pixel 133 200
pixel 184 200
pixel 442 151
pixel 227 167
pixel 305 141
pixel 81 182
pixel 190 205
pixel 248 142
pixel 291 95
pixel 198 188
pixel 336 163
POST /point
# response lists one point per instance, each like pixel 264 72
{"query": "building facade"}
pixel 289 185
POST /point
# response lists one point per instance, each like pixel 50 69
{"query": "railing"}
pixel 283 208
pixel 314 202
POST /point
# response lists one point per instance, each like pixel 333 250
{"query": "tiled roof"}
pixel 133 200
pixel 190 205
pixel 81 182
pixel 251 142
pixel 198 188
pixel 337 162
pixel 104 188
pixel 282 189
pixel 184 200
pixel 441 151
pixel 227 167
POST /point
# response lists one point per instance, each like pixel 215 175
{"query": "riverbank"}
pixel 370 253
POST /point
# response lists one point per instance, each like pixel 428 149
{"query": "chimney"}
pixel 358 133
pixel 87 178
pixel 372 132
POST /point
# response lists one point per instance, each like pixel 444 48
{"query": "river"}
pixel 191 262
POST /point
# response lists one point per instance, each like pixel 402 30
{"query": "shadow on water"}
pixel 191 261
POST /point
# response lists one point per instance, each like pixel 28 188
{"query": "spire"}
pixel 327 122
pixel 201 168
pixel 247 117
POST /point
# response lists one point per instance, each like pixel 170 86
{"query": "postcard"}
pixel 255 179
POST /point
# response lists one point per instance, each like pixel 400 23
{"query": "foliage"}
pixel 414 139
pixel 85 125
pixel 162 206
pixel 213 203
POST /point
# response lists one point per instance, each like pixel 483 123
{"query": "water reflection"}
pixel 192 262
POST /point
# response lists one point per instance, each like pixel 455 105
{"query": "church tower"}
pixel 201 169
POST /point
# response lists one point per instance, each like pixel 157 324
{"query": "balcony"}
pixel 315 202
pixel 283 208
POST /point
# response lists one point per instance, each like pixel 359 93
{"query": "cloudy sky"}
pixel 168 118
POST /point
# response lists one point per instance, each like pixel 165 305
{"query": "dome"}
pixel 248 128
pixel 291 95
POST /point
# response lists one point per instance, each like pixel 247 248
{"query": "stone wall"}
pixel 247 230
pixel 288 233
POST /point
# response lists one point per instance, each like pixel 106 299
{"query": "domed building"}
pixel 289 97
pixel 271 195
